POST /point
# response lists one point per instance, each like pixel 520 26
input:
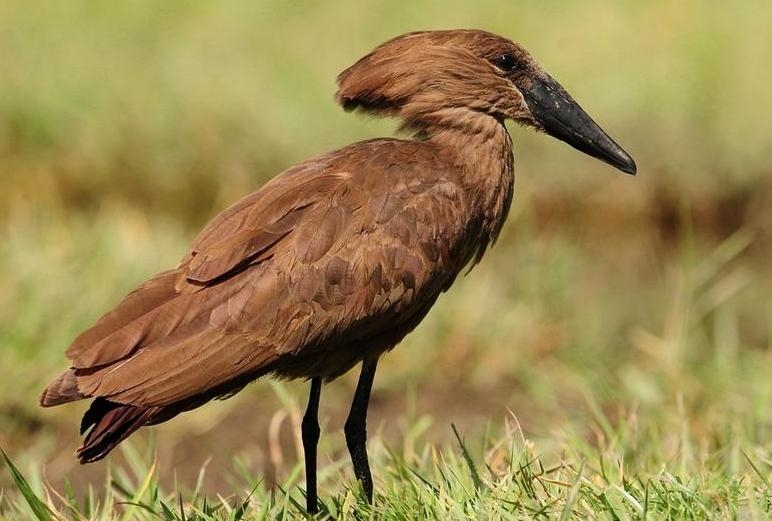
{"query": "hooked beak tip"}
pixel 625 163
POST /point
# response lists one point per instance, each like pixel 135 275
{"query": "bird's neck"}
pixel 483 153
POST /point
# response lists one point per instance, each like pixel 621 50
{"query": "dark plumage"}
pixel 336 259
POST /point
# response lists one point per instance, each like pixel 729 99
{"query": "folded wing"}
pixel 273 283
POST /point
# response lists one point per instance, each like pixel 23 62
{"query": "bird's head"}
pixel 465 78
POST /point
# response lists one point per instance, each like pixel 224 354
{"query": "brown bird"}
pixel 336 259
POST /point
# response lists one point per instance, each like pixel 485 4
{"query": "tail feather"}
pixel 62 390
pixel 110 423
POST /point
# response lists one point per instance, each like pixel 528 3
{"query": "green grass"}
pixel 609 359
pixel 628 469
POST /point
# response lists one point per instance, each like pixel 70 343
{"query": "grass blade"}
pixel 39 508
pixel 468 459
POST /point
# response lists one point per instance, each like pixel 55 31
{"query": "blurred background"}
pixel 125 126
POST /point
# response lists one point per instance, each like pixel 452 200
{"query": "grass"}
pixel 607 360
pixel 629 469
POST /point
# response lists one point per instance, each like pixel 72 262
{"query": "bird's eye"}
pixel 505 62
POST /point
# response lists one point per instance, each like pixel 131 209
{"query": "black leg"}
pixel 356 427
pixel 310 431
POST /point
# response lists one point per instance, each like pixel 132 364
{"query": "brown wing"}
pixel 236 236
pixel 332 253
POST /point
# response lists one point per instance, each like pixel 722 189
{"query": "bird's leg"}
pixel 310 431
pixel 356 427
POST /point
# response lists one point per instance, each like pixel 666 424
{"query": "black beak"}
pixel 562 117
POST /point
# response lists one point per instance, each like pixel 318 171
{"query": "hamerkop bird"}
pixel 336 259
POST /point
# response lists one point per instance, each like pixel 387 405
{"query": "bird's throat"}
pixel 486 169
